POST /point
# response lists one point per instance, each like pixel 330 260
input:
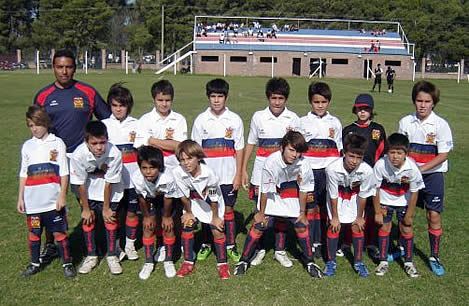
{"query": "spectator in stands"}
pixel 378 46
pixel 250 32
pixel 372 46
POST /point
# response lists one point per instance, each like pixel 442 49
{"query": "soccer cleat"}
pixel 233 253
pixel 436 266
pixel 317 251
pixel 186 269
pixel 282 258
pixel 361 269
pixel 382 268
pixel 241 268
pixel 314 270
pixel 69 270
pixel 88 264
pixel 48 253
pixel 114 265
pixel 146 271
pixel 130 252
pixel 169 269
pixel 122 255
pixel 339 253
pixel 204 251
pixel 223 271
pixel 373 252
pixel 411 270
pixel 30 270
pixel 160 254
pixel 396 254
pixel 258 258
pixel 331 267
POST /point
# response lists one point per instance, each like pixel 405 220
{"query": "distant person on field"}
pixel 70 104
pixel 390 76
pixel 378 74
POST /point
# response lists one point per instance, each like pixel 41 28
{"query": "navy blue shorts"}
pixel 271 222
pixel 157 206
pixel 320 190
pixel 431 197
pixel 129 201
pixel 388 210
pixel 228 195
pixel 54 221
pixel 194 226
pixel 98 205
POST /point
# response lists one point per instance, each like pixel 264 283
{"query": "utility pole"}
pixel 162 32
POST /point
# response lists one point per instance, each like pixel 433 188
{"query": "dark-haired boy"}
pixel 121 131
pixel 349 184
pixel 220 133
pixel 164 129
pixel 286 180
pixel 96 167
pixel 431 140
pixel 155 188
pixel 267 128
pixel 398 181
pixel 323 133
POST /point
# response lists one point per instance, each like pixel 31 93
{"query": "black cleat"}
pixel 48 253
pixel 314 270
pixel 318 251
pixel 30 270
pixel 241 268
pixel 69 271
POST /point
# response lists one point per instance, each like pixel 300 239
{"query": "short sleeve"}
pixel 24 162
pixel 367 187
pixel 180 131
pixel 253 136
pixel 62 158
pixel 143 133
pixel 332 184
pixel 268 181
pixel 114 172
pixel 239 135
pixel 444 137
pixel 307 179
pixel 78 174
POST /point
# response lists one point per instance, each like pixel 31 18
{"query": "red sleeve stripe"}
pixel 89 92
pixel 379 150
pixel 41 98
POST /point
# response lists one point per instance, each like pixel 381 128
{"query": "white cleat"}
pixel 146 271
pixel 114 265
pixel 282 258
pixel 88 264
pixel 257 260
pixel 169 269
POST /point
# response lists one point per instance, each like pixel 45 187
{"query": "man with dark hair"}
pixel 70 104
pixel 378 74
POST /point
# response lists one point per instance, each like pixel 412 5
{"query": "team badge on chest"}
pixel 229 132
pixel 331 133
pixel 431 138
pixel 132 135
pixel 53 155
pixel 404 180
pixel 78 102
pixel 169 133
pixel 375 134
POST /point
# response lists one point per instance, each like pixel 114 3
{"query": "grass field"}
pixel 268 284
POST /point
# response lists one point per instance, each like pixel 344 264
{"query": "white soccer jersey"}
pixel 324 138
pixel 266 132
pixel 347 188
pixel 427 139
pixel 220 137
pixel 283 182
pixel 173 127
pixel 395 185
pixel 201 191
pixel 85 168
pixel 164 184
pixel 43 162
pixel 122 134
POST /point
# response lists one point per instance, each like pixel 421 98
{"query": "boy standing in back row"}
pixel 220 133
pixel 431 141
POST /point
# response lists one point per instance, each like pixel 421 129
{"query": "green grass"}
pixel 268 284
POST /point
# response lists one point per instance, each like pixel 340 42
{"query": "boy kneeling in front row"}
pixel 286 181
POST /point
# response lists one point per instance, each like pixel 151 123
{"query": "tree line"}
pixel 440 29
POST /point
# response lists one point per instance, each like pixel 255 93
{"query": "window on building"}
pixel 392 63
pixel 265 59
pixel 339 61
pixel 211 58
pixel 238 59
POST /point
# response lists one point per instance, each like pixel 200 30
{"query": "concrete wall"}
pixel 283 67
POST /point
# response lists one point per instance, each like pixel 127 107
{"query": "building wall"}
pixel 253 66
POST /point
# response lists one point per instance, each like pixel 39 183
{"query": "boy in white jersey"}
pixel 398 181
pixel 96 167
pixel 122 129
pixel 203 202
pixel 431 141
pixel 267 128
pixel 287 178
pixel 42 190
pixel 349 183
pixel 220 133
pixel 156 189
pixel 164 129
pixel 323 133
